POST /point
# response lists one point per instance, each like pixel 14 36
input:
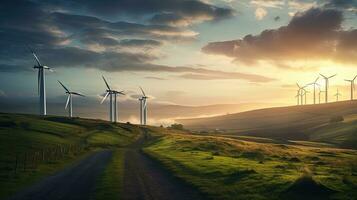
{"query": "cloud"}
pixel 139 43
pixel 268 3
pixel 155 78
pixel 220 75
pixel 260 13
pixel 315 34
pixel 349 5
pixel 163 12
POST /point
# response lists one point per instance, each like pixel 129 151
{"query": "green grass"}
pixel 110 185
pixel 225 168
pixel 29 135
pixel 343 134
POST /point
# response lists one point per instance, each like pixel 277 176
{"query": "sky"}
pixel 182 52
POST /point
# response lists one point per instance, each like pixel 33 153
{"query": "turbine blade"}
pixel 63 86
pixel 105 96
pixel 34 55
pixel 69 96
pixel 332 76
pixel 323 76
pixel 79 94
pixel 316 79
pixel 142 91
pixel 106 83
pixel 354 78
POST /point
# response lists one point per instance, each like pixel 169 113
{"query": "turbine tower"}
pixel 352 85
pixel 326 85
pixel 141 110
pixel 337 94
pixel 112 104
pixel 314 84
pixel 69 99
pixel 300 91
pixel 41 83
pixel 304 94
pixel 320 91
pixel 144 107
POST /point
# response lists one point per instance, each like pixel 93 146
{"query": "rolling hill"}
pixel 308 122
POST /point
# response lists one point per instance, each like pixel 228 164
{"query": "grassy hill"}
pixel 226 168
pixel 308 122
pixel 33 147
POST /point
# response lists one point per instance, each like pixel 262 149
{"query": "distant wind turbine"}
pixel 69 99
pixel 326 85
pixel 143 106
pixel 112 109
pixel 305 94
pixel 352 85
pixel 337 94
pixel 301 92
pixel 41 83
pixel 314 85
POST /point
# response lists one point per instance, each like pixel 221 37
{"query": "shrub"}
pixel 176 126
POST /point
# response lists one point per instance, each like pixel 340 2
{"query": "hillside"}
pixel 308 122
pixel 225 168
pixel 33 147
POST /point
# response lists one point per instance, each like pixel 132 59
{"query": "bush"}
pixel 335 119
pixel 176 126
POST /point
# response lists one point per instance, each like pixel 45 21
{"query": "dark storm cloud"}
pixel 350 5
pixel 313 34
pixel 66 40
pixel 195 10
pixel 139 43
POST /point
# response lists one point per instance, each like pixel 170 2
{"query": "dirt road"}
pixel 145 179
pixel 74 183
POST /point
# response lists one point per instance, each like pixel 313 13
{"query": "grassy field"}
pixel 33 147
pixel 226 168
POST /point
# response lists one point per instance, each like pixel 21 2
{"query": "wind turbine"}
pixel 304 94
pixel 352 85
pixel 314 84
pixel 326 85
pixel 112 109
pixel 41 83
pixel 300 91
pixel 144 106
pixel 337 94
pixel 69 99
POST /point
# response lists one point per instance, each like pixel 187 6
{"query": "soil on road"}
pixel 74 183
pixel 145 179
